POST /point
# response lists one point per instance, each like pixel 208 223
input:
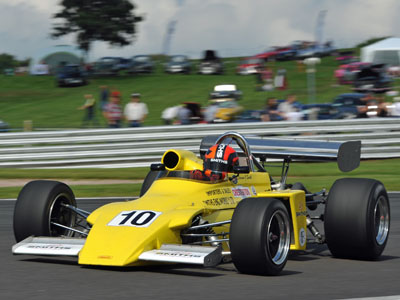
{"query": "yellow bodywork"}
pixel 171 204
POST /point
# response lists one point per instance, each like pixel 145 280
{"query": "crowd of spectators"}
pixel 133 113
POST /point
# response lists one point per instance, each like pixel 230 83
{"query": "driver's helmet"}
pixel 220 160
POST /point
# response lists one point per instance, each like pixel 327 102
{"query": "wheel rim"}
pixel 381 220
pixel 278 237
pixel 61 215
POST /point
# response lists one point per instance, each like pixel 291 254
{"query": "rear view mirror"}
pixel 157 167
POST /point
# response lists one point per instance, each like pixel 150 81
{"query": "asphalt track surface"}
pixel 313 274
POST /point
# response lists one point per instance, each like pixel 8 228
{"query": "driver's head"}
pixel 221 158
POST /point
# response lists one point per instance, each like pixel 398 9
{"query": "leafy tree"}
pixel 112 21
pixel 7 61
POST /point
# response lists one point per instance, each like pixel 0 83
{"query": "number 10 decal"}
pixel 135 218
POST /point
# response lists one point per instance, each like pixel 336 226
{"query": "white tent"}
pixel 47 60
pixel 386 51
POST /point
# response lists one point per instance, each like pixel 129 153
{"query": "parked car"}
pixel 249 65
pixel 178 64
pixel 109 65
pixel 211 63
pixel 141 64
pixel 71 75
pixel 272 53
pixel 372 79
pixel 351 105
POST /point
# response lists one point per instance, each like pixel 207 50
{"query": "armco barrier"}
pixel 134 147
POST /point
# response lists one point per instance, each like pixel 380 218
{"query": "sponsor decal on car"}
pixel 221 191
pixel 220 201
pixel 241 192
pixel 302 237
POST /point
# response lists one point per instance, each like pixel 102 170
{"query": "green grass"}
pixel 315 176
pixel 38 99
pixel 108 190
pixel 123 173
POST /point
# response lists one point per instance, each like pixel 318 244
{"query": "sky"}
pixel 232 27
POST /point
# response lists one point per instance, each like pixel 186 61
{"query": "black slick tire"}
pixel 38 204
pixel 260 236
pixel 357 218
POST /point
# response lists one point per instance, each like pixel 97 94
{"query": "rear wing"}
pixel 346 154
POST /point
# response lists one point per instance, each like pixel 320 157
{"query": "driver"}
pixel 218 161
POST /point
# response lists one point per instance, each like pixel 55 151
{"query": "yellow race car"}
pixel 246 217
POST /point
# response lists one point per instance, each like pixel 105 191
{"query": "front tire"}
pixel 38 205
pixel 260 236
pixel 357 218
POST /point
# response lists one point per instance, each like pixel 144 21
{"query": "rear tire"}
pixel 357 218
pixel 38 204
pixel 260 236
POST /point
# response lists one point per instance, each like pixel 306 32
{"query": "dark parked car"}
pixel 372 79
pixel 141 64
pixel 211 63
pixel 71 75
pixel 110 65
pixel 350 104
pixel 178 64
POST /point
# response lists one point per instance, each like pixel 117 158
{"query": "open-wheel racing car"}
pixel 244 215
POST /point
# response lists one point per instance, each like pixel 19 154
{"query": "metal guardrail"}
pixel 135 147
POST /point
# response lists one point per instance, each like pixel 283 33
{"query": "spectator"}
pixel 395 107
pixel 264 79
pixel 169 114
pixel 112 111
pixel 210 111
pixel 135 112
pixel 271 112
pixel 366 110
pixel 104 94
pixel 382 107
pixel 90 115
pixel 184 115
pixel 259 79
pixel 280 80
pixel 287 107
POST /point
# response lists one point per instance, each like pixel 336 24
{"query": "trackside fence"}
pixel 138 147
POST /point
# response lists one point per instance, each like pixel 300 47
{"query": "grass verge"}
pixel 315 176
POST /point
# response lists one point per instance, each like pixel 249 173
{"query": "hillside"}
pixel 37 98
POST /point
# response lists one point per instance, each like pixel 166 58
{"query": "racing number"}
pixel 135 218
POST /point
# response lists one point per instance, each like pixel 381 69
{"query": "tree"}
pixel 112 21
pixel 7 61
